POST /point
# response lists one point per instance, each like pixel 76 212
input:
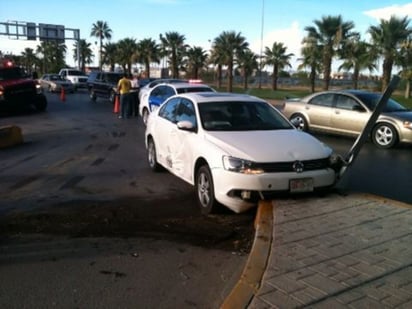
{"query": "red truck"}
pixel 18 90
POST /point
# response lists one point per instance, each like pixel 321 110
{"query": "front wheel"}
pixel 152 156
pixel 92 95
pixel 384 135
pixel 205 193
pixel 145 116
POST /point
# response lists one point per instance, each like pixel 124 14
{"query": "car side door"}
pixel 349 116
pixel 319 110
pixel 183 140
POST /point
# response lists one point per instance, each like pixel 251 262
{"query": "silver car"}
pixel 54 83
pixel 346 113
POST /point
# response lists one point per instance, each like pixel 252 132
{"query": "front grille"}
pixel 285 167
pixel 20 94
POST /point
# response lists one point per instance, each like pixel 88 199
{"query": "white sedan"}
pixel 235 150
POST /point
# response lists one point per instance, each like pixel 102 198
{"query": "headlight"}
pixel 336 162
pixel 240 166
pixel 407 125
pixel 38 89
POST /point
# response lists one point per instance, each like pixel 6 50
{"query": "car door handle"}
pixel 337 112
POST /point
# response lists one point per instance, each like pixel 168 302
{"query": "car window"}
pixel 241 116
pixel 75 72
pixel 158 91
pixel 325 99
pixel 345 102
pixel 169 110
pixel 186 111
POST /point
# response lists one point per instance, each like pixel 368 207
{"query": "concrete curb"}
pixel 10 136
pixel 252 275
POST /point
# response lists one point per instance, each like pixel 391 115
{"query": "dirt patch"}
pixel 175 220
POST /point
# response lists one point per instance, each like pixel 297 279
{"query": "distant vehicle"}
pixel 19 90
pixel 77 77
pixel 346 112
pixel 159 93
pixel 54 83
pixel 235 150
pixel 103 85
pixel 144 89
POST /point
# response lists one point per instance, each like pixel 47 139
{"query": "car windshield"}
pixel 241 116
pixel 56 77
pixel 193 89
pixel 12 73
pixel 113 78
pixel 372 99
pixel 75 73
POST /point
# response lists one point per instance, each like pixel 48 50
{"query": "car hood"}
pixel 403 115
pixel 269 146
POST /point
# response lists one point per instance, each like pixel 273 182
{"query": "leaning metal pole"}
pixel 349 158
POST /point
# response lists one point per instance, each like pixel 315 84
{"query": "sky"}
pixel 261 22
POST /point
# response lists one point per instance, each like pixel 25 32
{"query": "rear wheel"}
pixel 384 135
pixel 205 193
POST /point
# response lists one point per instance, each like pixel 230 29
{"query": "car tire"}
pixel 92 95
pixel 112 97
pixel 384 135
pixel 145 115
pixel 41 104
pixel 299 121
pixel 152 156
pixel 205 193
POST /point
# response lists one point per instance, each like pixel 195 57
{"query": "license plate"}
pixel 301 185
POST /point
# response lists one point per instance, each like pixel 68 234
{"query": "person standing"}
pixel 134 96
pixel 123 87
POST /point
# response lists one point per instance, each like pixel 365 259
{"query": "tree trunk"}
pixel 275 78
pixel 312 78
pixel 386 72
pixel 230 76
pixel 408 89
pixel 355 78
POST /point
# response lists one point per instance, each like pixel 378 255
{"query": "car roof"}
pixel 203 97
pixel 180 85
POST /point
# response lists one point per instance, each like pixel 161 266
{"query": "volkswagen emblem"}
pixel 298 166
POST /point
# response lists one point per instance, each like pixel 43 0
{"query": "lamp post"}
pixel 261 45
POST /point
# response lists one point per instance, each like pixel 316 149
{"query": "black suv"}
pixel 103 85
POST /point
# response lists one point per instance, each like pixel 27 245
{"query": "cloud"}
pixel 386 12
pixel 291 37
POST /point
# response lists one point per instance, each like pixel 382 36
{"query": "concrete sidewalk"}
pixel 351 251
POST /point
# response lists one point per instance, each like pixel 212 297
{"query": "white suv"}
pixel 77 77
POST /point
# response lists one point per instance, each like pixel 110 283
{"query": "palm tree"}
pixel 52 55
pixel 148 52
pixel 196 60
pixel 216 58
pixel 126 49
pixel 173 47
pixel 312 58
pixel 86 53
pixel 247 63
pixel 277 57
pixel 29 59
pixel 230 44
pixel 330 32
pixel 387 38
pixel 101 30
pixel 109 55
pixel 357 55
